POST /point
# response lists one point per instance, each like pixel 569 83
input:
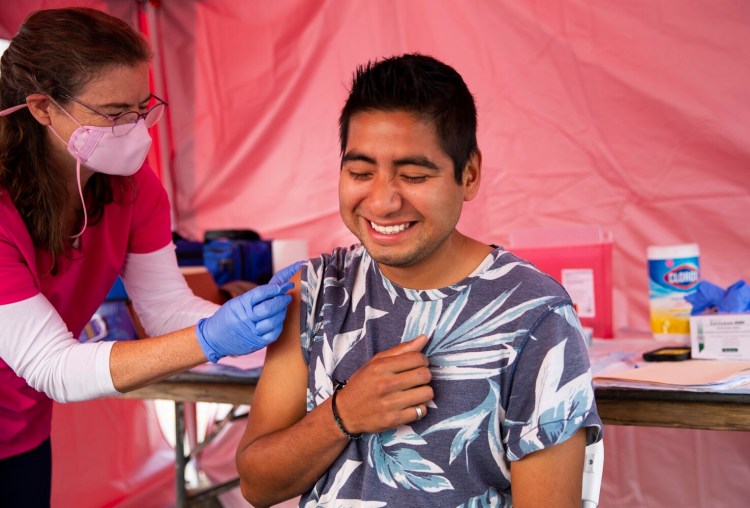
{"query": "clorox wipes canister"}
pixel 673 273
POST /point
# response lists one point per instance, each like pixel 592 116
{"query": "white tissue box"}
pixel 720 336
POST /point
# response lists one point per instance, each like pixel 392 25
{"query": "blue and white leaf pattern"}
pixel 323 387
pixel 482 322
pixel 570 316
pixel 309 298
pixel 358 290
pixel 403 466
pixel 488 499
pixel 558 412
pixel 472 339
pixel 495 442
pixel 389 288
pixel 504 270
pixel 467 424
pixel 344 342
pixel 331 498
pixel 402 435
pixel 422 319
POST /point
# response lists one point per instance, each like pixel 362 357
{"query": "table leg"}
pixel 194 477
pixel 180 457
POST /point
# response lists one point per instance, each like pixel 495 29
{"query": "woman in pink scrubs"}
pixel 78 207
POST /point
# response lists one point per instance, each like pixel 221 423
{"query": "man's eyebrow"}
pixel 356 156
pixel 417 160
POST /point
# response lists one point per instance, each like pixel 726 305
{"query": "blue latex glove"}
pixel 736 299
pixel 248 322
pixel 707 296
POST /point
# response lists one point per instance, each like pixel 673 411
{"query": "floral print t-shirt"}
pixel 510 375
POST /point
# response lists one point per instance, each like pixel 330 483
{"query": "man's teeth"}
pixel 389 230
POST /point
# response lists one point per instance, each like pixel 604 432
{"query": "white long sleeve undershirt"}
pixel 160 295
pixel 37 344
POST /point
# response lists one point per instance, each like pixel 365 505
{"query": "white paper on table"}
pixel 696 375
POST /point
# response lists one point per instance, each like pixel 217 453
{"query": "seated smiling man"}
pixel 426 368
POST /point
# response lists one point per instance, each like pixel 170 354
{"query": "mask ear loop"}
pixel 78 162
pixel 77 236
pixel 80 192
pixel 13 109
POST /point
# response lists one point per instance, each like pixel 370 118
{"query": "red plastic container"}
pixel 580 258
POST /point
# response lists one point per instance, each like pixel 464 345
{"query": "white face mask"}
pixel 100 150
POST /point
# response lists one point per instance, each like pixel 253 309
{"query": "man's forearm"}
pixel 287 463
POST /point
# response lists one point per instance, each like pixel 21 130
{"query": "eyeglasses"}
pixel 124 122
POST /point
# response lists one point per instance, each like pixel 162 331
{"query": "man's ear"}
pixel 39 106
pixel 472 175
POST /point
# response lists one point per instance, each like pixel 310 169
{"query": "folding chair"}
pixel 592 474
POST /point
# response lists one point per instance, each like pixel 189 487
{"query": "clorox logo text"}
pixel 682 277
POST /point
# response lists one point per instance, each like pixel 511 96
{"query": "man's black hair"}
pixel 421 85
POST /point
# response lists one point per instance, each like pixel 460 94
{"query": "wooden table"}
pixel 185 390
pixel 199 387
pixel 617 406
pixel 673 408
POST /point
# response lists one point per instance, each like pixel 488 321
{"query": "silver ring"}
pixel 419 412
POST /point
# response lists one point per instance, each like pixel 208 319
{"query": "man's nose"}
pixel 384 196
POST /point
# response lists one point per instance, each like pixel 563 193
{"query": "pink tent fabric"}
pixel 629 115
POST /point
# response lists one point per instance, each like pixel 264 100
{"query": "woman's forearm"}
pixel 136 363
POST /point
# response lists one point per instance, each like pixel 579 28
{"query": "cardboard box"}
pixel 200 281
pixel 720 336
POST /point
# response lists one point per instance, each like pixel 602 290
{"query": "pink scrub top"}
pixel 137 221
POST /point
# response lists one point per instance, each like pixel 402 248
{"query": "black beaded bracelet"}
pixel 339 386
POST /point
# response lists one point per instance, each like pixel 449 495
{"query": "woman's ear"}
pixel 472 175
pixel 39 105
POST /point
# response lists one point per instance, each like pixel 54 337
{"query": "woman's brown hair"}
pixel 56 52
